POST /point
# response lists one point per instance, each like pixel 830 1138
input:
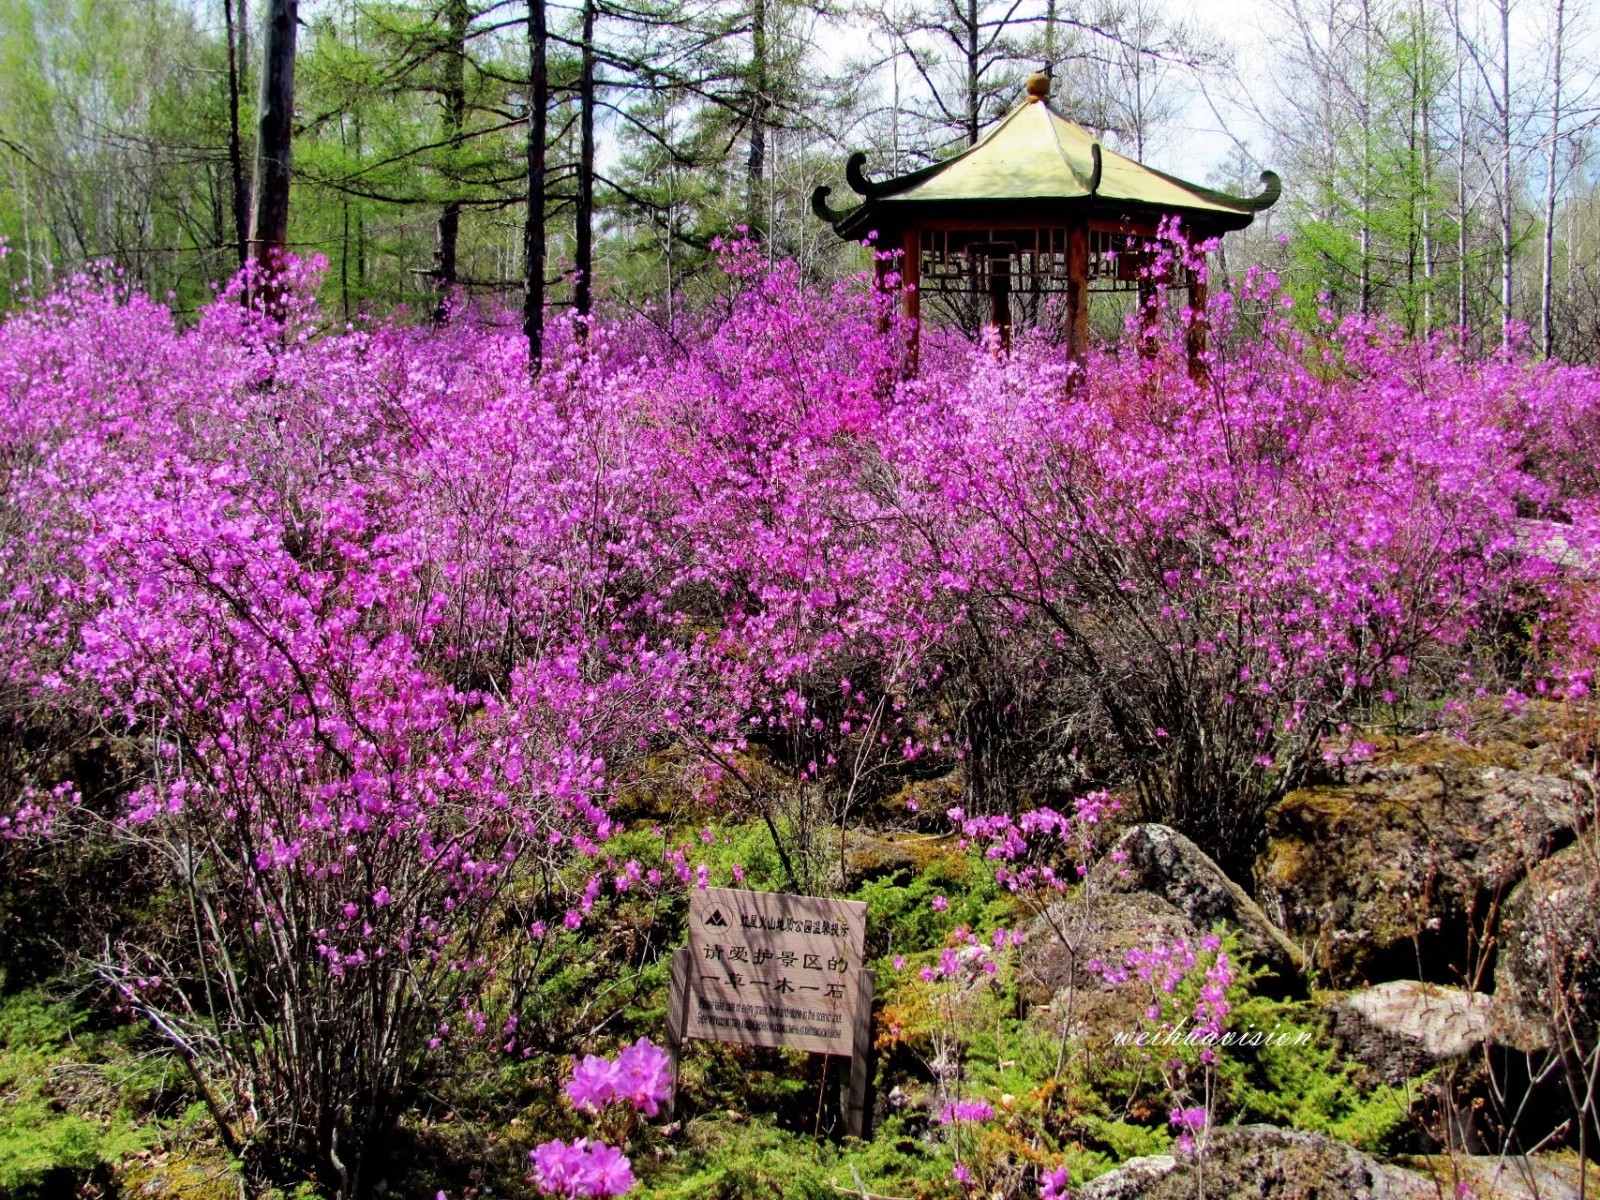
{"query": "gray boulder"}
pixel 1094 927
pixel 1548 968
pixel 1261 1162
pixel 1161 862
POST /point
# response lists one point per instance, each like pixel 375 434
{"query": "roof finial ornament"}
pixel 1038 87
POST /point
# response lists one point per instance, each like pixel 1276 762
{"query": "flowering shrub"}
pixel 385 628
pixel 1189 992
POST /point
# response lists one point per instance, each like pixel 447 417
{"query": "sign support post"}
pixel 858 1116
pixel 677 1019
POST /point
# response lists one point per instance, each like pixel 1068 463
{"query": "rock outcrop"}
pixel 1391 871
pixel 1548 967
pixel 1161 862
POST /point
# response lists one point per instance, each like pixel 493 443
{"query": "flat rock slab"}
pixel 1261 1162
pixel 1403 1028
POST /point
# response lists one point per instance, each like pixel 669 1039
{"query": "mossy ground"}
pixel 87 1106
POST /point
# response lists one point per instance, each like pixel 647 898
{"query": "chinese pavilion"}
pixel 1023 225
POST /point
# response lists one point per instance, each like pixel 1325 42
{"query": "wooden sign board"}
pixel 774 970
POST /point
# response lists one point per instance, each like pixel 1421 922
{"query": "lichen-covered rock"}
pixel 1089 928
pixel 1157 860
pixel 1403 1028
pixel 1260 1162
pixel 1382 872
pixel 1509 1177
pixel 1548 967
pixel 870 856
pixel 1133 1180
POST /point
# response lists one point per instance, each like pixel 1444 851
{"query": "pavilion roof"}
pixel 1034 156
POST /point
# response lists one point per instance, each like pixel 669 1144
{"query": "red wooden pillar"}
pixel 1198 332
pixel 1149 315
pixel 881 266
pixel 911 295
pixel 1078 291
pixel 1000 296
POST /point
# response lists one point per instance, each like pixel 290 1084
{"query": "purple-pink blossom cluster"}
pixel 1021 846
pixel 640 1075
pixel 1190 1123
pixel 971 958
pixel 581 1168
pixel 1166 967
pixel 966 1112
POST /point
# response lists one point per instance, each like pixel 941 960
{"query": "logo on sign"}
pixel 716 919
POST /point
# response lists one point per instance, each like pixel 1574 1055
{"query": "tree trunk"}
pixel 1461 176
pixel 241 195
pixel 583 240
pixel 1547 336
pixel 1507 232
pixel 1426 103
pixel 457 17
pixel 1366 159
pixel 269 219
pixel 974 105
pixel 756 166
pixel 533 224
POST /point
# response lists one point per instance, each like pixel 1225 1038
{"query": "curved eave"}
pixel 890 218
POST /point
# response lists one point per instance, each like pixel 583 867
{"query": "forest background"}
pixel 1439 155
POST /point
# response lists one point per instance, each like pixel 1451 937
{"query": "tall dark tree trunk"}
pixel 269 224
pixel 445 274
pixel 974 101
pixel 241 196
pixel 1547 336
pixel 533 226
pixel 1502 106
pixel 756 166
pixel 583 240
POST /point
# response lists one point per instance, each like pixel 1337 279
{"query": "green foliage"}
pixel 733 1159
pixel 43 1145
pixel 1310 1085
pixel 112 144
pixel 1360 221
pixel 900 913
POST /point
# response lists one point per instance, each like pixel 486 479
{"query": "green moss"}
pixel 1125 1141
pixel 725 1159
pixel 46 1146
pixel 1305 1082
